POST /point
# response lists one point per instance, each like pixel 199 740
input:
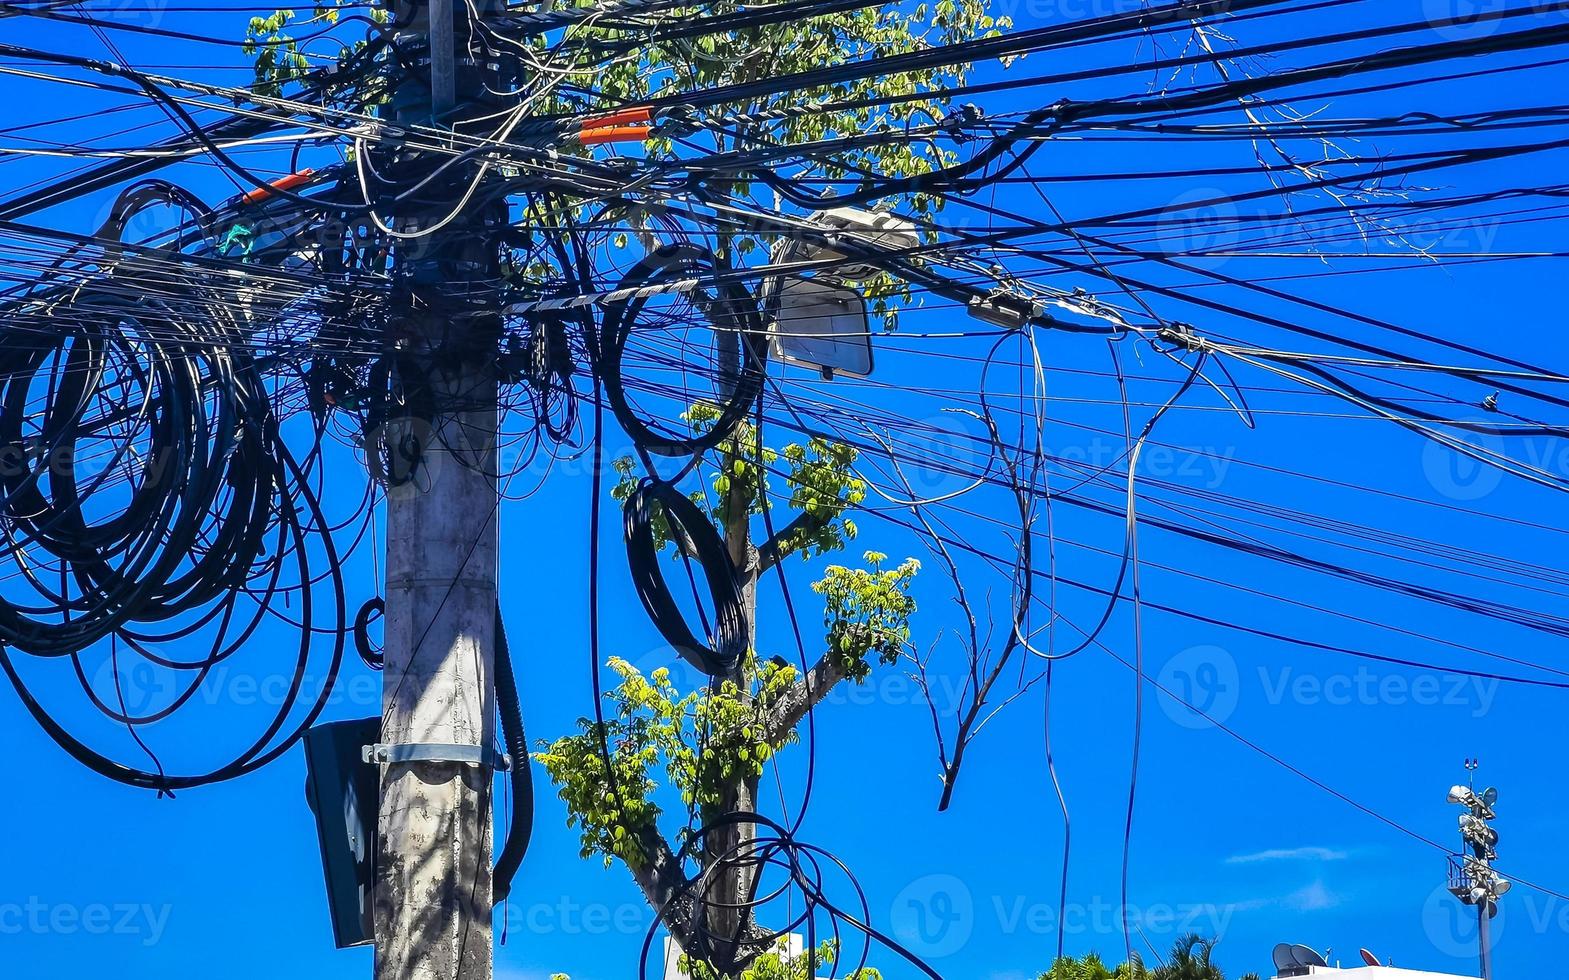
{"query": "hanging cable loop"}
pixel 697 538
pixel 731 312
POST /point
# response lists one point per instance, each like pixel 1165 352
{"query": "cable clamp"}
pixel 960 118
pixel 473 755
pixel 677 120
pixel 1004 308
pixel 1182 335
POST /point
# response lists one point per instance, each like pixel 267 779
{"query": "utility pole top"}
pixel 1471 875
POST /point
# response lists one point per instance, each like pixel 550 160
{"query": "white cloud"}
pixel 1312 898
pixel 1289 854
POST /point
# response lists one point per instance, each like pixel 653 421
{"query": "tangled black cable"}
pixel 804 867
pixel 200 475
pixel 731 311
pixel 373 657
pixel 144 492
pixel 698 539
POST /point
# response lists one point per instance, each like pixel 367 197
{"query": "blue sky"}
pixel 1226 841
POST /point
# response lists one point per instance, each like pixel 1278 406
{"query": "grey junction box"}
pixel 343 791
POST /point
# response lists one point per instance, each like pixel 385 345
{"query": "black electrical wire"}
pixel 374 658
pixel 690 527
pixel 194 504
pixel 520 775
pixel 732 309
pixel 802 863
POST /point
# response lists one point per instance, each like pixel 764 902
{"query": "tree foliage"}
pixel 1190 959
pixel 702 740
pixel 776 964
pixel 867 611
pixel 1092 967
pixel 710 746
pixel 274 45
pixel 709 740
pixel 819 474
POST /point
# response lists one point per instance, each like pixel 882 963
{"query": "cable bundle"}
pixel 191 444
pixel 802 891
pixel 146 490
pixel 692 528
pixel 731 311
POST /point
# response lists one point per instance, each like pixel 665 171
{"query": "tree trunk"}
pixel 726 851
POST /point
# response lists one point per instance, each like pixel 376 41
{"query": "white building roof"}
pixel 1377 973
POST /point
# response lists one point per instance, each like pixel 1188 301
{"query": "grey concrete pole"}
pixel 433 890
pixel 433 901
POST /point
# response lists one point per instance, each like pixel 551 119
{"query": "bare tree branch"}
pixel 804 695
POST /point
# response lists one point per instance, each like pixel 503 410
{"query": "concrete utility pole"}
pixel 433 888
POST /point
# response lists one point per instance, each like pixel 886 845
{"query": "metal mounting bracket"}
pixel 473 755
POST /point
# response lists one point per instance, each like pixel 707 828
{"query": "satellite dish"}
pixel 1369 958
pixel 1307 957
pixel 1490 795
pixel 1286 964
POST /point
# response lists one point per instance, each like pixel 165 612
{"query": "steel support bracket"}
pixel 473 755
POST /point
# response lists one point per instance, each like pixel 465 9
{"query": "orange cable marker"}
pixel 636 114
pixel 614 134
pixel 281 184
